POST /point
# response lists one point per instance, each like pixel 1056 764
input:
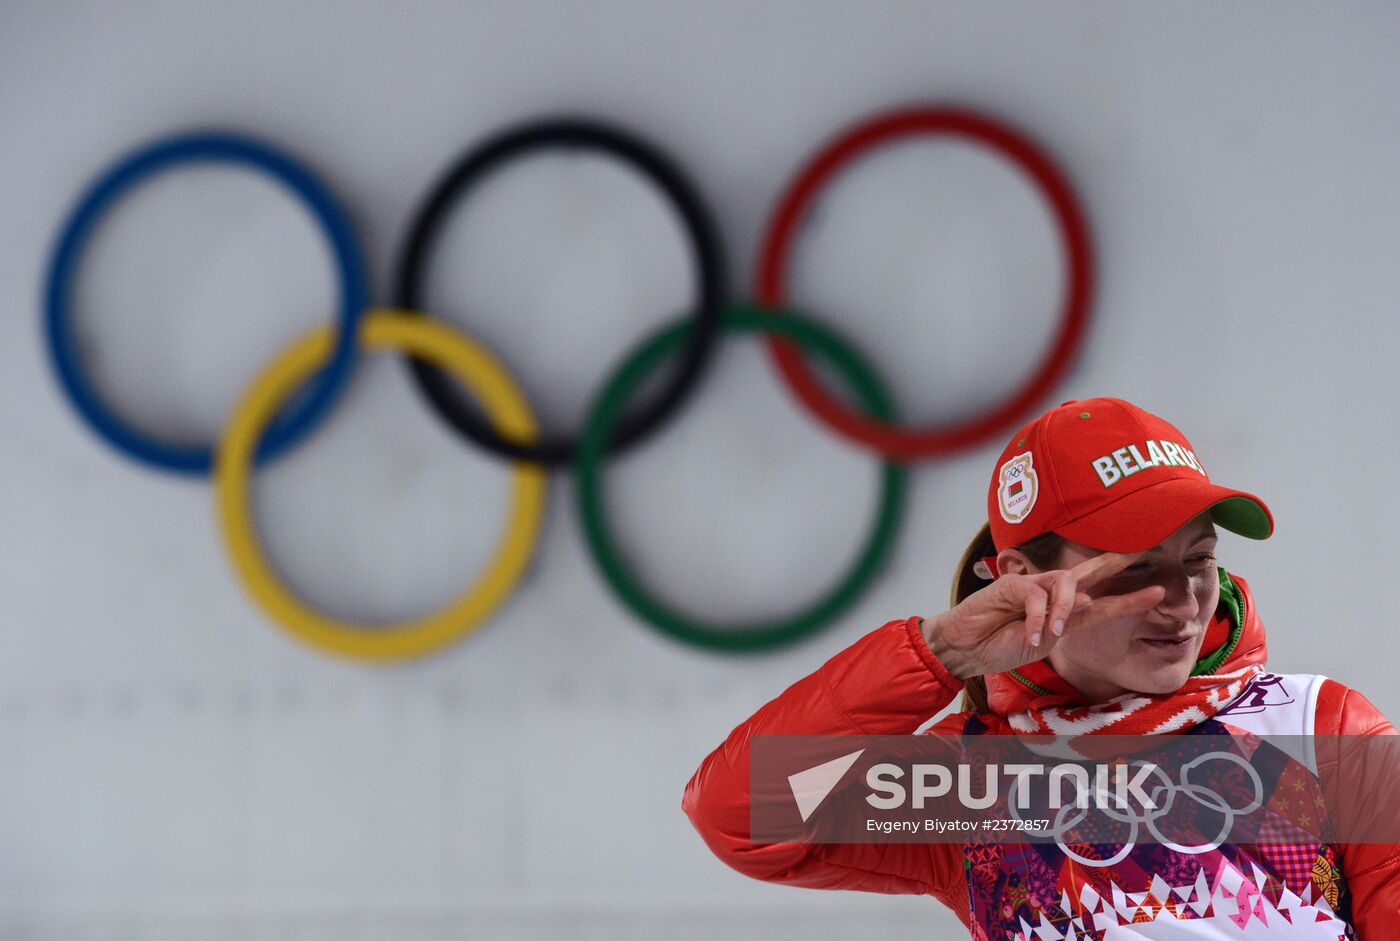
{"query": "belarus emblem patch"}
pixel 1017 488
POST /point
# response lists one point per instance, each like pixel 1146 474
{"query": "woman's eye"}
pixel 1145 568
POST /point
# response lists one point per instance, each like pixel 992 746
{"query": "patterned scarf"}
pixel 1035 700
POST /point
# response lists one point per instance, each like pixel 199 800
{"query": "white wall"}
pixel 172 765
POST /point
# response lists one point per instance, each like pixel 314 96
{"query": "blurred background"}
pixel 174 765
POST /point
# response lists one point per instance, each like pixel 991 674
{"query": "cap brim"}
pixel 1146 517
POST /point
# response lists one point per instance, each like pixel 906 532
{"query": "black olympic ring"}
pixel 470 170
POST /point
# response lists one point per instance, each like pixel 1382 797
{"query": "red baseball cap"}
pixel 1105 473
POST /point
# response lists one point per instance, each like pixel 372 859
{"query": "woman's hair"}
pixel 1043 551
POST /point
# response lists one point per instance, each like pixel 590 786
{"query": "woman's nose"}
pixel 1180 601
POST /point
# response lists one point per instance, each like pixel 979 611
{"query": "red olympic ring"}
pixel 770 290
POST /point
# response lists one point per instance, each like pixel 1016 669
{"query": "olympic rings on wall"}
pixel 131 171
pixel 770 288
pixel 256 430
pixel 571 134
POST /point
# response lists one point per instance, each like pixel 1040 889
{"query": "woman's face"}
pixel 1152 652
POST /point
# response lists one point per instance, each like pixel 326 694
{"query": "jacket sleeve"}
pixel 1371 870
pixel 887 683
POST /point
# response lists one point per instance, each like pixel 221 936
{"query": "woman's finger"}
pixel 1035 600
pixel 1061 601
pixel 1092 571
pixel 1109 607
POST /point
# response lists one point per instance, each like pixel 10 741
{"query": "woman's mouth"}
pixel 1169 645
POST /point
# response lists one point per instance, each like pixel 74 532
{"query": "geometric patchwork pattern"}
pixel 1224 900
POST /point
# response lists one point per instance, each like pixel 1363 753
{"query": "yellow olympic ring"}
pixel 508 411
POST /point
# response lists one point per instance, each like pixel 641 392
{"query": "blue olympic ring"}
pixel 320 391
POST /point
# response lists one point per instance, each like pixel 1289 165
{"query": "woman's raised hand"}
pixel 1018 618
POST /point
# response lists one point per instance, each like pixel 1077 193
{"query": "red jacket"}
pixel 890 683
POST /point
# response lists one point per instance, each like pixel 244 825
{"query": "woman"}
pixel 1090 603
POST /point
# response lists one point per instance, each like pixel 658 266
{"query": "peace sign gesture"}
pixel 1002 626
